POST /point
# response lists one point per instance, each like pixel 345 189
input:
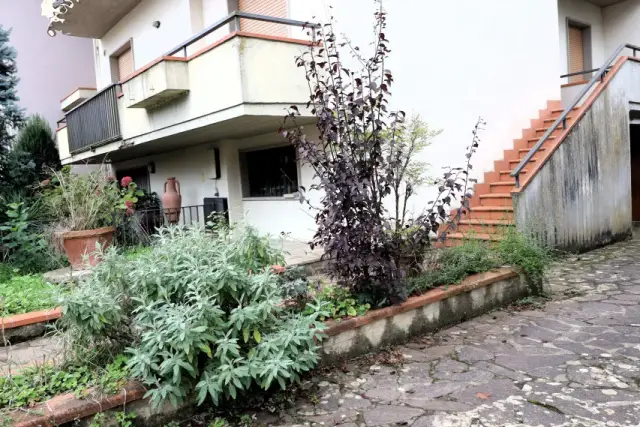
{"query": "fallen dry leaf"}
pixel 483 396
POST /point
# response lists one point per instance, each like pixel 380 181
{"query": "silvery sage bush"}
pixel 200 313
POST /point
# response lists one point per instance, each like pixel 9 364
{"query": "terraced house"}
pixel 195 89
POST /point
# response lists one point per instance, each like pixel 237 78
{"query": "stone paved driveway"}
pixel 575 363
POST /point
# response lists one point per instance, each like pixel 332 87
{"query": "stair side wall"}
pixel 581 197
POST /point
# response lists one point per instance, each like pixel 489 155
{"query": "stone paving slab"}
pixel 574 363
pixel 37 351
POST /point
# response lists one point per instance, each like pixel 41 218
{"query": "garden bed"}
pixel 353 337
pixel 23 327
pixel 27 306
pixel 437 308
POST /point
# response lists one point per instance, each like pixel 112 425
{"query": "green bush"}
pixel 37 140
pixel 338 303
pixel 22 244
pixel 23 294
pixel 524 251
pixel 200 313
pixel 473 256
pixel 454 264
pixel 39 383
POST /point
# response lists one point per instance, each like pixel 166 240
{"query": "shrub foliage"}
pixel 37 140
pixel 199 313
pixel 361 157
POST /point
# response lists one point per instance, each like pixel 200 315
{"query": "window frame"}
pixel 113 61
pixel 587 48
pixel 244 173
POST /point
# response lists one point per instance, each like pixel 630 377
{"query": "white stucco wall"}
pixel 584 13
pixel 194 168
pixel 621 25
pixel 454 61
pixel 148 42
pixel 449 66
pixel 269 215
pixel 49 68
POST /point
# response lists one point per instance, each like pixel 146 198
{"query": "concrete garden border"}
pixel 439 307
pixel 433 310
pixel 22 327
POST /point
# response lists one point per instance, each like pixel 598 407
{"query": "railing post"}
pixel 517 180
pixel 564 123
pixel 236 23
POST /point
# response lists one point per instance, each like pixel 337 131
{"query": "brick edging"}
pixel 30 318
pixel 67 408
pixel 468 284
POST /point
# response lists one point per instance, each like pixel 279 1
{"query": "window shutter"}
pixel 575 53
pixel 275 8
pixel 125 64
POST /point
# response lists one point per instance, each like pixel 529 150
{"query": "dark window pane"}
pixel 139 175
pixel 272 172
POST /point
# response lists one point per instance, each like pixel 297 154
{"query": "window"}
pixel 122 63
pixel 269 173
pixel 139 175
pixel 578 51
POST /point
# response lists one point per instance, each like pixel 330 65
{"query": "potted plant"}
pixel 88 208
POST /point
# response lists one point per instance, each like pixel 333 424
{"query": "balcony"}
pixel 76 98
pixel 94 122
pixel 87 18
pixel 157 84
pixel 236 87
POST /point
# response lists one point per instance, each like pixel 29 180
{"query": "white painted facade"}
pixel 621 24
pixel 194 168
pixel 453 61
pixel 609 27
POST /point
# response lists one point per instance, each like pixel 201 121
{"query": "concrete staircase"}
pixel 491 205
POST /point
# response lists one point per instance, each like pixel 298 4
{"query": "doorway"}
pixel 634 138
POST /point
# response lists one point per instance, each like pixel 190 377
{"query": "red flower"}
pixel 128 204
pixel 128 212
pixel 126 181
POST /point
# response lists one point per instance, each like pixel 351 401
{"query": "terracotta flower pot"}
pixel 80 243
pixel 172 200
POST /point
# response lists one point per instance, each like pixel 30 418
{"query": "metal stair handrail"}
pixel 563 117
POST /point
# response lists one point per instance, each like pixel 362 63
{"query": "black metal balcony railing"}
pixel 94 122
pixel 149 220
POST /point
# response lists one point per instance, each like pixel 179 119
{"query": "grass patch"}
pixel 453 264
pixel 39 383
pixel 134 252
pixel 516 249
pixel 523 251
pixel 23 294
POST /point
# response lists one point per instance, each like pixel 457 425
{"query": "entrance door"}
pixel 635 172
